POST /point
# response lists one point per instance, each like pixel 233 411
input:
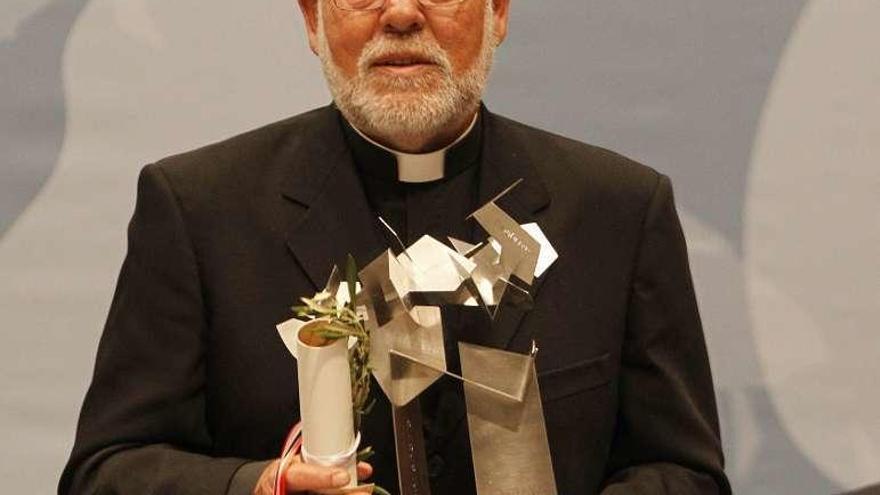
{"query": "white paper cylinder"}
pixel 325 401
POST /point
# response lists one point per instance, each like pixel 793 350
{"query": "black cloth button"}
pixel 436 466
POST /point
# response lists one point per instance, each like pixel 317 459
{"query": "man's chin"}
pixel 398 114
pixel 413 107
pixel 405 100
pixel 384 81
pixel 402 97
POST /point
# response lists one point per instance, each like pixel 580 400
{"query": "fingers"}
pixel 304 477
pixel 364 470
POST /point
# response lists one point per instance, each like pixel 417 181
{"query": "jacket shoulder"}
pixel 246 155
pixel 569 166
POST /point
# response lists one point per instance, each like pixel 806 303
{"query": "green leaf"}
pixel 369 406
pixel 349 314
pixel 322 296
pixel 315 307
pixel 378 490
pixel 351 278
pixel 343 329
pixel 330 334
pixel 365 453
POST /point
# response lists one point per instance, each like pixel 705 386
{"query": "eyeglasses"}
pixel 365 5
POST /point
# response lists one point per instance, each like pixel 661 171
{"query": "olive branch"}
pixel 341 320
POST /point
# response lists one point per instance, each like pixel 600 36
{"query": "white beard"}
pixel 393 107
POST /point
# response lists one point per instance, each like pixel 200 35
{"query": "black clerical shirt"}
pixel 437 208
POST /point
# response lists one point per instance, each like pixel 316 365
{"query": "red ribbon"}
pixel 292 446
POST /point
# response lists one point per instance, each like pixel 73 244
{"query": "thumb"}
pixel 304 477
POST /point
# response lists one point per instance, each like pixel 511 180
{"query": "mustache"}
pixel 415 46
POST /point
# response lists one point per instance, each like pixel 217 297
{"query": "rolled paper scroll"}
pixel 325 402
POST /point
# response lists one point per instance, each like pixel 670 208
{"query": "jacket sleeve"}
pixel 142 428
pixel 667 439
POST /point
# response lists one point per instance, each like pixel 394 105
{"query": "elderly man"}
pixel 193 391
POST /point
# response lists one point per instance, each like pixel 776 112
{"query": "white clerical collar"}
pixel 420 167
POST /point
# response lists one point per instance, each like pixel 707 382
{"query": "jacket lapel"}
pixel 336 219
pixel 506 160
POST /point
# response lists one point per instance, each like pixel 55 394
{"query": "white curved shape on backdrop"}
pixel 133 17
pixel 812 239
pixel 132 99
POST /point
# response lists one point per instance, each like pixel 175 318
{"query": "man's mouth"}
pixel 403 63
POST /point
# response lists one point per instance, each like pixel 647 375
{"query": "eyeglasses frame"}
pixel 381 4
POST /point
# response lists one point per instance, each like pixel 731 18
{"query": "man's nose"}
pixel 402 16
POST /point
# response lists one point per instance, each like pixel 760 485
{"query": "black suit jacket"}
pixel 192 380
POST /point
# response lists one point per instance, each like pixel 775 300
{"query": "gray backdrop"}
pixel 765 113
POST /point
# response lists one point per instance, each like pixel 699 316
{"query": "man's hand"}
pixel 303 478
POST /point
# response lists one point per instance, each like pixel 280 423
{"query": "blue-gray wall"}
pixel 765 114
